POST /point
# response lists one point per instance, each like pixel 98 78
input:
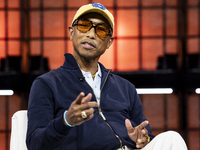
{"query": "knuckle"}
pixel 92 110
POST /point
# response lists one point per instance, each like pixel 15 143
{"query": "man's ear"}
pixel 110 42
pixel 71 32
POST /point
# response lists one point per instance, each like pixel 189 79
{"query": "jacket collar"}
pixel 71 64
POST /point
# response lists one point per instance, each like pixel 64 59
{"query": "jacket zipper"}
pixel 101 114
pixel 103 117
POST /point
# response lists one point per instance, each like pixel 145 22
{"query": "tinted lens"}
pixel 84 25
pixel 102 30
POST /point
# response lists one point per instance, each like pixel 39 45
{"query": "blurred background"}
pixel 157 45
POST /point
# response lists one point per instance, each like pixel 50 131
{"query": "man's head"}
pixel 91 31
pixel 95 8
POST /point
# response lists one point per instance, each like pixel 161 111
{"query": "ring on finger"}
pixel 148 138
pixel 83 114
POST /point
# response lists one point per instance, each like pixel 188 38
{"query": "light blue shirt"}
pixel 94 83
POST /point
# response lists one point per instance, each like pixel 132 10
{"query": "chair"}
pixel 18 130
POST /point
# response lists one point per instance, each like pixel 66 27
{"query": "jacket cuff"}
pixel 60 126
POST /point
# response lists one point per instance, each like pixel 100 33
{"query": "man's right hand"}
pixel 81 103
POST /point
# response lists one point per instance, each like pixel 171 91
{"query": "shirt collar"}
pixel 97 73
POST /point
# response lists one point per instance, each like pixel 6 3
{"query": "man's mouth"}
pixel 88 45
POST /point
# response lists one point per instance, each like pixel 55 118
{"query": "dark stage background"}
pixel 157 44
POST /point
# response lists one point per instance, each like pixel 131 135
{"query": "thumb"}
pixel 129 126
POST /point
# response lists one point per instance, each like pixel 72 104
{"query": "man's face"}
pixel 89 45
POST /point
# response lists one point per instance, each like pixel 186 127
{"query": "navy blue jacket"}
pixel 52 93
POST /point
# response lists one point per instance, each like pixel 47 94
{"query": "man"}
pixel 82 105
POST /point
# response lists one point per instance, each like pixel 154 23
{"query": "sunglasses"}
pixel 84 25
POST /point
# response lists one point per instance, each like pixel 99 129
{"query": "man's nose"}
pixel 91 33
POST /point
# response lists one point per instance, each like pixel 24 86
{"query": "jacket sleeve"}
pixel 137 115
pixel 44 130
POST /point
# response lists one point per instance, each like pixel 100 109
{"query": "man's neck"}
pixel 92 69
pixel 88 66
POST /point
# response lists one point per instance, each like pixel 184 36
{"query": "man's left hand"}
pixel 137 134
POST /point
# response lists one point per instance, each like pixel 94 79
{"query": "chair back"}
pixel 18 130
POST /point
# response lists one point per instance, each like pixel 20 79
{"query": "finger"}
pixel 129 126
pixel 89 113
pixel 144 131
pixel 142 140
pixel 88 105
pixel 79 98
pixel 86 98
pixel 141 145
pixel 89 117
pixel 143 124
